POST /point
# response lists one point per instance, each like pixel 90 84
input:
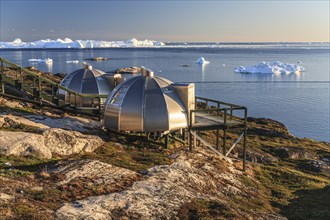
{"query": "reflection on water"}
pixel 299 76
pixel 18 55
pixel 46 67
pixel 49 67
pixel 202 68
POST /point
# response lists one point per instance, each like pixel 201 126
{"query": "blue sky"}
pixel 223 21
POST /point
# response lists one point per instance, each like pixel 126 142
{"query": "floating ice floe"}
pixel 276 67
pixel 72 61
pixel 80 44
pixel 201 60
pixel 47 61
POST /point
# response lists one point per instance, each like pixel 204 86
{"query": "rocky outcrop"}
pixel 72 123
pixel 11 104
pixel 97 171
pixel 51 141
pixel 46 136
pixel 294 153
pixel 64 142
pixel 128 70
pixel 39 123
pixel 23 144
pixel 163 191
pixel 97 58
pixel 17 122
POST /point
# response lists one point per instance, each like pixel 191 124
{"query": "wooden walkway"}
pixel 45 91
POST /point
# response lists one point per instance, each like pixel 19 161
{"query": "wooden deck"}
pixel 216 115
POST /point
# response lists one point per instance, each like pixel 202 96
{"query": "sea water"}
pixel 298 100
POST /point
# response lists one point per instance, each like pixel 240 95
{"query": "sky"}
pixel 187 21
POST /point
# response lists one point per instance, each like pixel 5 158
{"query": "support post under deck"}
pixel 166 141
pixel 217 140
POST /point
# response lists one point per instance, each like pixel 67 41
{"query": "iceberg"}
pixel 47 61
pixel 201 60
pixel 78 44
pixel 72 61
pixel 275 67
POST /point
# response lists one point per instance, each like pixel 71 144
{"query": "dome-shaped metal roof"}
pixel 144 103
pixel 86 81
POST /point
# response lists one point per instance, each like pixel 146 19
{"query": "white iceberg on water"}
pixel 47 61
pixel 276 67
pixel 201 60
pixel 79 44
pixel 72 61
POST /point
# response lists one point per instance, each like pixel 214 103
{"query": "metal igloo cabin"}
pixel 88 81
pixel 149 103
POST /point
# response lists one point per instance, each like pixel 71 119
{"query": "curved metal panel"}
pixel 86 81
pixel 113 105
pixel 131 111
pixel 145 103
pixel 155 117
pixel 176 112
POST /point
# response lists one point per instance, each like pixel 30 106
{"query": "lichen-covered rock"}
pixel 128 70
pixel 17 122
pixel 68 123
pixel 165 189
pixel 97 171
pixel 10 104
pixel 64 142
pixel 23 144
pixel 53 140
pixel 294 153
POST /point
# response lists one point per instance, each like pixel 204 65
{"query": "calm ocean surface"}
pixel 300 101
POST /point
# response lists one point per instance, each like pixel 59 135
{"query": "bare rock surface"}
pixel 99 172
pixel 12 121
pixel 64 142
pixel 68 123
pixel 163 191
pixel 23 144
pixel 128 70
pixel 10 104
pixel 53 140
pixel 46 135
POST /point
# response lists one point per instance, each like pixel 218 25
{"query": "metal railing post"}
pixel 224 132
pixel 244 139
pixel 189 131
pixel 2 79
pixel 39 86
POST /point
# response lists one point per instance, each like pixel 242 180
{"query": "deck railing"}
pixel 227 111
pixel 37 85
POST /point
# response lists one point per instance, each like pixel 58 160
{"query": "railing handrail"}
pixel 218 109
pixel 217 101
pixel 51 82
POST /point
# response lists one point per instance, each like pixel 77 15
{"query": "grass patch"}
pixel 284 182
pixel 132 158
pixel 203 209
pixel 23 166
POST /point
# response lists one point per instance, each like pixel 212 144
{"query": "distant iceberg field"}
pixel 275 67
pixel 79 44
pixel 135 43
